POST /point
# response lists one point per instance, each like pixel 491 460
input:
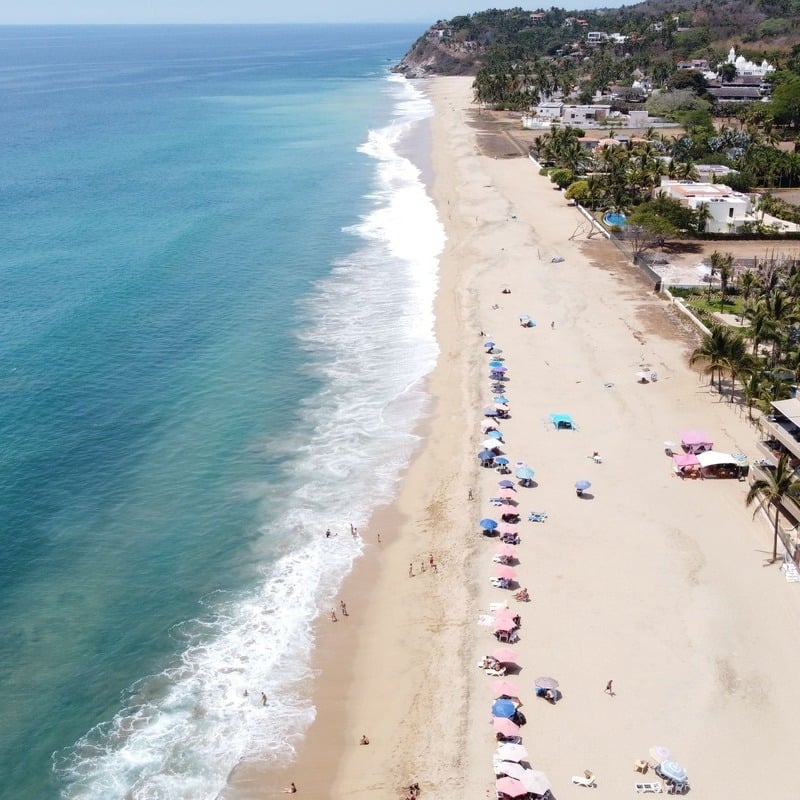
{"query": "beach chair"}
pixel 653 787
pixel 496 673
pixel 587 780
pixel 537 516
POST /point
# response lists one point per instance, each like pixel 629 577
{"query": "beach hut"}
pixel 562 422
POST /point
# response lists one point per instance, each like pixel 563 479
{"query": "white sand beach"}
pixel 656 583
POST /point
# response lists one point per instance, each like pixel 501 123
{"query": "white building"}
pixel 596 37
pixel 583 114
pixel 745 68
pixel 728 209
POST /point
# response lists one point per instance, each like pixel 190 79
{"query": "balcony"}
pixel 784 432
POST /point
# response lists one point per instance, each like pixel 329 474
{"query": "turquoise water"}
pixel 616 218
pixel 199 361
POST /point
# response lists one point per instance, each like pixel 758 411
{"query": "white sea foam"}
pixel 370 340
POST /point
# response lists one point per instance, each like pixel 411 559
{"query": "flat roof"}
pixel 789 409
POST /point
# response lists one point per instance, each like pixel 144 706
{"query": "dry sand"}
pixel 656 583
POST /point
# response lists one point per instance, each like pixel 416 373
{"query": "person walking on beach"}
pixel 470 496
pixel 610 688
pixel 263 698
pixel 410 570
pixel 334 618
pixel 553 325
pixel 432 562
pixel 343 606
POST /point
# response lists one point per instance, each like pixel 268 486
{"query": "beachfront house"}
pixel 781 435
pixel 728 210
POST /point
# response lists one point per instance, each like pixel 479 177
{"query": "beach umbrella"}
pixel 504 655
pixel 503 687
pixel 504 625
pixel 505 726
pixel 536 782
pixel 506 484
pixel 487 425
pixel 486 455
pixel 495 363
pixel 495 434
pixel 524 473
pixel 506 572
pixel 509 529
pixel 511 787
pixel 659 753
pixel 502 461
pixel 671 770
pixel 507 493
pixel 512 752
pixel 501 399
pixel 511 769
pixel 488 344
pixel 504 708
pixel 499 370
pixel 489 412
pixel 507 551
pixel 488 524
pixel 546 683
pixel 491 443
pixel 582 486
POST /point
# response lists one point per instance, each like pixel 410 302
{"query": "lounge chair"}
pixel 537 516
pixel 587 779
pixel 649 788
pixel 496 673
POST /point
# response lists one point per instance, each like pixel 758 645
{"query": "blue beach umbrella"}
pixel 673 771
pixel 582 486
pixel 502 461
pixel 495 363
pixel 501 398
pixel 503 708
pixel 495 434
pixel 501 369
pixel 525 473
pixel 488 524
pixel 506 484
pixel 488 344
pixel 486 455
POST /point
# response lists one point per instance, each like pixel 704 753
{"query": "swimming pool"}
pixel 614 218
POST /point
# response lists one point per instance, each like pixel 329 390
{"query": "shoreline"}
pixel 655 583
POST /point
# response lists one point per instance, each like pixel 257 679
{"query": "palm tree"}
pixel 752 391
pixel 714 264
pixel 772 490
pixel 725 273
pixel 714 352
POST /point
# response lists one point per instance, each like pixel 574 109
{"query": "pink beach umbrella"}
pixel 507 550
pixel 504 571
pixel 504 689
pixel 504 625
pixel 507 493
pixel 504 613
pixel 504 655
pixel 511 787
pixel 505 726
pixel 505 528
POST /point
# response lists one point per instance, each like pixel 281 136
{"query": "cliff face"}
pixel 431 55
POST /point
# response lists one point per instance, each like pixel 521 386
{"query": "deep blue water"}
pixel 184 212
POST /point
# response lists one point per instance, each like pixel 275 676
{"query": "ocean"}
pixel 217 275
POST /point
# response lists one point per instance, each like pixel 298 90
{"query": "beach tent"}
pixel 696 441
pixel 714 464
pixel 562 422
